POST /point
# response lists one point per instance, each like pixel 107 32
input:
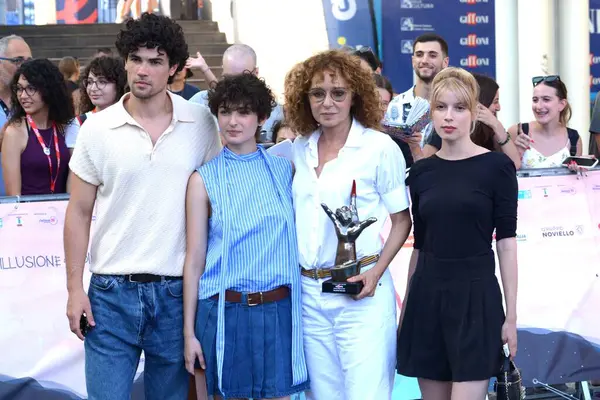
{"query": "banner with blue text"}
pixel 467 25
pixel 350 23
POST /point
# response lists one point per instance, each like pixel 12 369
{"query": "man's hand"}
pixel 197 62
pixel 77 305
pixel 413 141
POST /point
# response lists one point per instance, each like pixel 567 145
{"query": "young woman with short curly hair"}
pixel 349 342
pixel 244 255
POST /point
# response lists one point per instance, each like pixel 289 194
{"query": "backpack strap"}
pixel 573 139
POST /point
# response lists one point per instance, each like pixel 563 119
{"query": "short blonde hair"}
pixel 458 81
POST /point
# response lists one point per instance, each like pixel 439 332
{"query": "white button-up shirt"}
pixel 375 162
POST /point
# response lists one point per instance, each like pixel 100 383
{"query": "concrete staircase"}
pixel 82 42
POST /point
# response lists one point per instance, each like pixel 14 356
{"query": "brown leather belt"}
pixel 322 273
pixel 254 299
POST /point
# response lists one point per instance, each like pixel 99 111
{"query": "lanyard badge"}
pixel 46 150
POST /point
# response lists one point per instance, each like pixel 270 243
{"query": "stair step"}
pixel 21 30
pixel 206 49
pixel 213 61
pixel 107 39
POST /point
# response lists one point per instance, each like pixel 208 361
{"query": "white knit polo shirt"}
pixel 140 202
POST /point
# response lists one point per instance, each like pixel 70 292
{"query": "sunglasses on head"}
pixel 536 80
pixel 365 49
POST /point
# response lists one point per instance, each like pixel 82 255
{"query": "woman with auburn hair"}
pixel 349 342
pixel 452 325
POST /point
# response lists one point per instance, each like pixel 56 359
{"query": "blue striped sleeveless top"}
pixel 252 243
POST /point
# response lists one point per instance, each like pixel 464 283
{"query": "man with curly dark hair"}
pixel 133 161
pixel 350 343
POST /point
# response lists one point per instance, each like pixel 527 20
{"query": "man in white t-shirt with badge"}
pixel 430 56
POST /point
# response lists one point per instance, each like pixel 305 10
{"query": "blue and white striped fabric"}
pixel 252 243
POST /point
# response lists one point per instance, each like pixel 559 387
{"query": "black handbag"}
pixel 509 385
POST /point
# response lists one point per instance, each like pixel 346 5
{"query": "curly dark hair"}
pixel 110 68
pixel 365 102
pixel 245 91
pixel 154 31
pixel 50 84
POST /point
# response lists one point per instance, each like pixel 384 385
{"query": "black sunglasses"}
pixel 536 80
pixel 365 49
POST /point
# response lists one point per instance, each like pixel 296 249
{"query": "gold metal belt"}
pixel 322 273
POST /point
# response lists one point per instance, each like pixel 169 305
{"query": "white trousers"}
pixel 350 345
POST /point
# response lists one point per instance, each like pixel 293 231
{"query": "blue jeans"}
pixel 131 317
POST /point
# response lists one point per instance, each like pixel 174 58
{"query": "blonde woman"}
pixel 453 323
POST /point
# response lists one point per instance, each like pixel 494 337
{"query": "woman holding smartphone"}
pixel 453 324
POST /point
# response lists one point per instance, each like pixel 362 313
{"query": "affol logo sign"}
pixel 472 40
pixel 473 1
pixel 472 61
pixel 474 19
pixel 19 221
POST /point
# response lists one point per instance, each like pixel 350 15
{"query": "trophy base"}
pixel 330 286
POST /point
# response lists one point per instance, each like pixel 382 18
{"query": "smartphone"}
pixel 84 325
pixel 583 162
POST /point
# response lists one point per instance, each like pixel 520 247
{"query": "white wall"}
pixel 536 52
pixel 221 12
pixel 45 12
pixel 574 62
pixel 507 61
pixel 282 32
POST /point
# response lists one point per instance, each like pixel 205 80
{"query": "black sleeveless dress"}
pixel 451 329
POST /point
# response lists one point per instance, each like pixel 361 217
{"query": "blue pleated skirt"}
pixel 258 349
